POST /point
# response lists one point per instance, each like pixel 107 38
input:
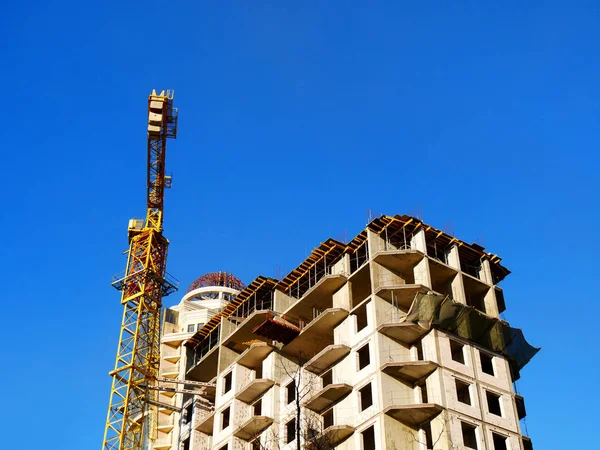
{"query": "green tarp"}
pixel 435 311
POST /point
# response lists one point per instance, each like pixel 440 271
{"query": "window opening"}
pixel 469 435
pixel 257 407
pixel 363 357
pixel 190 328
pixel 291 392
pixel 424 396
pixel 290 431
pixel 189 410
pixel 361 317
pixel 368 438
pixel 227 382
pixel 499 442
pixel 457 350
pixel 487 363
pixel 463 392
pixel 225 416
pixel 328 418
pixel 419 347
pixel 493 401
pixel 327 378
pixel 366 397
pixel 428 436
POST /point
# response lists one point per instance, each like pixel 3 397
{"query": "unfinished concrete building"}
pixel 392 341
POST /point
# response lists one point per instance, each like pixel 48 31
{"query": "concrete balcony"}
pixel 165 411
pixel 441 268
pixel 254 355
pixel 244 330
pixel 318 296
pixel 175 339
pixel 402 261
pixel 206 368
pixel 400 294
pixel 162 444
pixel 326 358
pixel 205 423
pixel 330 437
pixel 168 393
pixel 252 427
pixel 415 415
pixel 169 371
pixel 410 372
pixel 254 389
pixel 328 396
pixel 170 355
pixel 167 428
pixel 317 335
pixel 402 331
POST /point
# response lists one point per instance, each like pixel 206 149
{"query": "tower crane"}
pixel 132 410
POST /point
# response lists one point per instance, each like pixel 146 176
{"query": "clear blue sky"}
pixel 295 119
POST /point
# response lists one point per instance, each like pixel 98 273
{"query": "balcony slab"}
pixel 319 296
pixel 254 355
pixel 253 427
pixel 327 357
pixel 402 294
pixel 327 396
pixel 254 389
pixel 405 332
pixel 317 335
pixel 398 260
pixel 205 425
pixel 206 368
pixel 411 372
pixel 243 332
pixel 414 416
pixel 331 437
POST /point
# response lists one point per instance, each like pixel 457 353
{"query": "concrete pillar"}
pixel 491 306
pixel 281 301
pixel 345 264
pixel 418 241
pixel 453 257
pixel 458 289
pixel 422 273
pixel 341 299
pixel 227 328
pixel 375 243
pixel 485 274
pixel 226 357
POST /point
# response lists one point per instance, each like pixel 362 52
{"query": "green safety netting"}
pixel 445 314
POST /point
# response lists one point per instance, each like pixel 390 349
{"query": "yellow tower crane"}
pixel 132 411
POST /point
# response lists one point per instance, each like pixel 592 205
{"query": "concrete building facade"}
pixel 392 341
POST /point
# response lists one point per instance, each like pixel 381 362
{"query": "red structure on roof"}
pixel 223 279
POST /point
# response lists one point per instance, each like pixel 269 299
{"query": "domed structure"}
pixel 205 297
pixel 223 279
pixel 214 289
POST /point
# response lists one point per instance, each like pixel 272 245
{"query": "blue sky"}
pixel 296 118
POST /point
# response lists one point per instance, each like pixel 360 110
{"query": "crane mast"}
pixel 132 410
